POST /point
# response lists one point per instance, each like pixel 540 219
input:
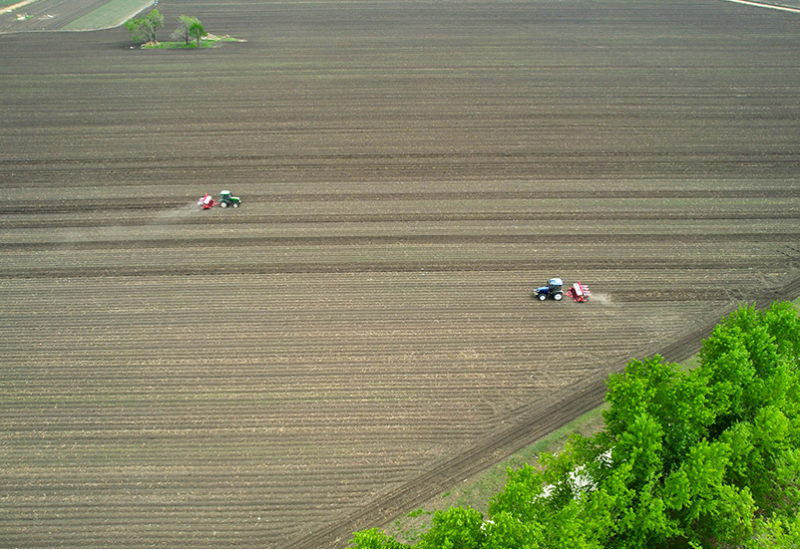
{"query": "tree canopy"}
pixel 708 457
pixel 190 29
pixel 144 28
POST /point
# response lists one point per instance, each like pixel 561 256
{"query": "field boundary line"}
pixel 543 419
pixel 536 420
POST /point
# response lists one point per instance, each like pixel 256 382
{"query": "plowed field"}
pixel 360 334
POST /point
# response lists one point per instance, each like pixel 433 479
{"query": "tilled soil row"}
pixel 40 218
pixel 462 168
pixel 540 239
pixel 371 267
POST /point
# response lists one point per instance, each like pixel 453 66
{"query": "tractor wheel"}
pixel 557 296
pixel 236 205
pixel 542 297
pixel 224 204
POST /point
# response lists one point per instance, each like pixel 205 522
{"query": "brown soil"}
pixel 360 334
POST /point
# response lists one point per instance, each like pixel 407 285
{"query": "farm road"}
pixel 787 6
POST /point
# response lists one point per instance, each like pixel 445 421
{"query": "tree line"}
pixel 708 457
pixel 144 28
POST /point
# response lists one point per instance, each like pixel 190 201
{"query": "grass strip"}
pixel 209 42
pixel 476 491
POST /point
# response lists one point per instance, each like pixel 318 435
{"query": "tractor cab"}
pixel 226 200
pixel 551 290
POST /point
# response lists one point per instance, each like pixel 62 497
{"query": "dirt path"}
pixel 13 7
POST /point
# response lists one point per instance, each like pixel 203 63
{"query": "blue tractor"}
pixel 552 290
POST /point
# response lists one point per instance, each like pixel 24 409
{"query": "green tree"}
pixel 144 28
pixel 190 29
pixel 776 533
pixel 455 528
pixel 375 538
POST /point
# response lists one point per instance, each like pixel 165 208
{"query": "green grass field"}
pixel 111 14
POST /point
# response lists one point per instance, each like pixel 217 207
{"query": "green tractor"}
pixel 226 200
